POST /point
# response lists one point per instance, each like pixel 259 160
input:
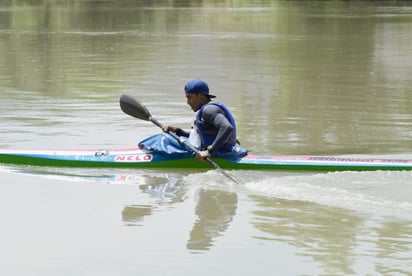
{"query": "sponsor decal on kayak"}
pixel 133 158
pixel 360 160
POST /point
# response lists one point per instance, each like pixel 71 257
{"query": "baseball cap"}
pixel 198 87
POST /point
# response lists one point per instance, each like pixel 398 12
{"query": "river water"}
pixel 327 78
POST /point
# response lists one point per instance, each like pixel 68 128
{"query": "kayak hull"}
pixel 137 158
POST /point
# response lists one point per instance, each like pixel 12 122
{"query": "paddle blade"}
pixel 133 108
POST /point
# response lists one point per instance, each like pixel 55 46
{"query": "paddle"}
pixel 135 109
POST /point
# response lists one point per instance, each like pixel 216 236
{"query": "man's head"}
pixel 197 94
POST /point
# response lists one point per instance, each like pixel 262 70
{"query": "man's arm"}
pixel 214 116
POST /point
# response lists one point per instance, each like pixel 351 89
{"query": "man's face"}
pixel 196 101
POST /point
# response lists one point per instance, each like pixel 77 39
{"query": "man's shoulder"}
pixel 210 111
pixel 213 107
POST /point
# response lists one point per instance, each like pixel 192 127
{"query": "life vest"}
pixel 208 136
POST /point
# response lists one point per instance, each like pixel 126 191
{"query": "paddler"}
pixel 214 128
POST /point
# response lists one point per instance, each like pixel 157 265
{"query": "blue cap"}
pixel 198 87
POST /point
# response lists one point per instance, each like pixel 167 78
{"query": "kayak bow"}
pixel 137 158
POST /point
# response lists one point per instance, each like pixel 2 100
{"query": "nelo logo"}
pixel 133 158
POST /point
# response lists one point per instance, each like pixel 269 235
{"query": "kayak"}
pixel 140 159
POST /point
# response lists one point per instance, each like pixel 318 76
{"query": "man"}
pixel 214 124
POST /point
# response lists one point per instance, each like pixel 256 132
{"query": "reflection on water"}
pixel 133 215
pixel 164 189
pixel 168 190
pixel 215 210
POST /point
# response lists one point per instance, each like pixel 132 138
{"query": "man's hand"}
pixel 202 155
pixel 167 128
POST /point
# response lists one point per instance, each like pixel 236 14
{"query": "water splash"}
pixel 363 192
